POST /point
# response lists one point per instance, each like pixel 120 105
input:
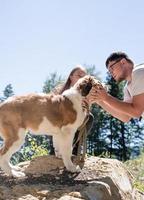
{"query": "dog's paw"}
pixel 58 155
pixel 75 169
pixel 18 174
pixel 15 168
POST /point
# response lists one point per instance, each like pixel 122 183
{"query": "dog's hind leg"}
pixel 65 142
pixel 12 142
pixel 56 146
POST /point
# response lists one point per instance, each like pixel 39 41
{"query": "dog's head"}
pixel 85 84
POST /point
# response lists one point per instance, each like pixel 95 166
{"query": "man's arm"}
pixel 117 114
pixel 132 109
pixel 124 111
pixel 93 98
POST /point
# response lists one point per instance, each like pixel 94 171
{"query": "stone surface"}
pixel 46 178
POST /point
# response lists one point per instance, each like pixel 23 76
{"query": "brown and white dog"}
pixel 57 115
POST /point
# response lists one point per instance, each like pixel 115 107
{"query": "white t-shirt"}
pixel 136 86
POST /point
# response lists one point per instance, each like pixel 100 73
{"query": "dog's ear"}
pixel 85 88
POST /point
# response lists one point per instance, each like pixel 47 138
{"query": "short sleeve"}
pixel 138 82
pixel 127 96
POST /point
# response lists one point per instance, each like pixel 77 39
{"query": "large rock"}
pixel 100 179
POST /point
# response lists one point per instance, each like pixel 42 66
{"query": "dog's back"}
pixel 28 111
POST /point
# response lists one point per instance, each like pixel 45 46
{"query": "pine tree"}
pixel 8 92
pixel 97 138
pixel 51 82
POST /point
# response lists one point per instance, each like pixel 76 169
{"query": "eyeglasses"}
pixel 112 65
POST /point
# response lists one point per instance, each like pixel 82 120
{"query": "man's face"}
pixel 117 70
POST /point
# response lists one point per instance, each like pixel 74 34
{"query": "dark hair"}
pixel 68 81
pixel 117 56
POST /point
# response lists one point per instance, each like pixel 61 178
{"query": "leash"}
pixel 81 140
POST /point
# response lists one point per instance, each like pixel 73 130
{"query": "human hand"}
pixel 97 94
pixel 92 98
pixel 101 93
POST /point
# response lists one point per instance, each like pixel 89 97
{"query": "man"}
pixel 121 67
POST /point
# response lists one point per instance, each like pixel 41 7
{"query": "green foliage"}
pixel 51 82
pixel 8 92
pixel 91 69
pixel 136 167
pixel 96 144
pixel 138 185
pixel 34 146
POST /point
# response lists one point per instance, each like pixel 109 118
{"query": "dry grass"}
pixel 136 167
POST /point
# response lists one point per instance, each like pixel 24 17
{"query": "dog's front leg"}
pixel 65 142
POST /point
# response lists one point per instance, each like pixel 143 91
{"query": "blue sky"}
pixel 40 37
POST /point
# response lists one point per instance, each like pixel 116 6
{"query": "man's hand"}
pixel 100 94
pixel 97 94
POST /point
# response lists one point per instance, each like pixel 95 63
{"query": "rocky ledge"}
pixel 46 178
